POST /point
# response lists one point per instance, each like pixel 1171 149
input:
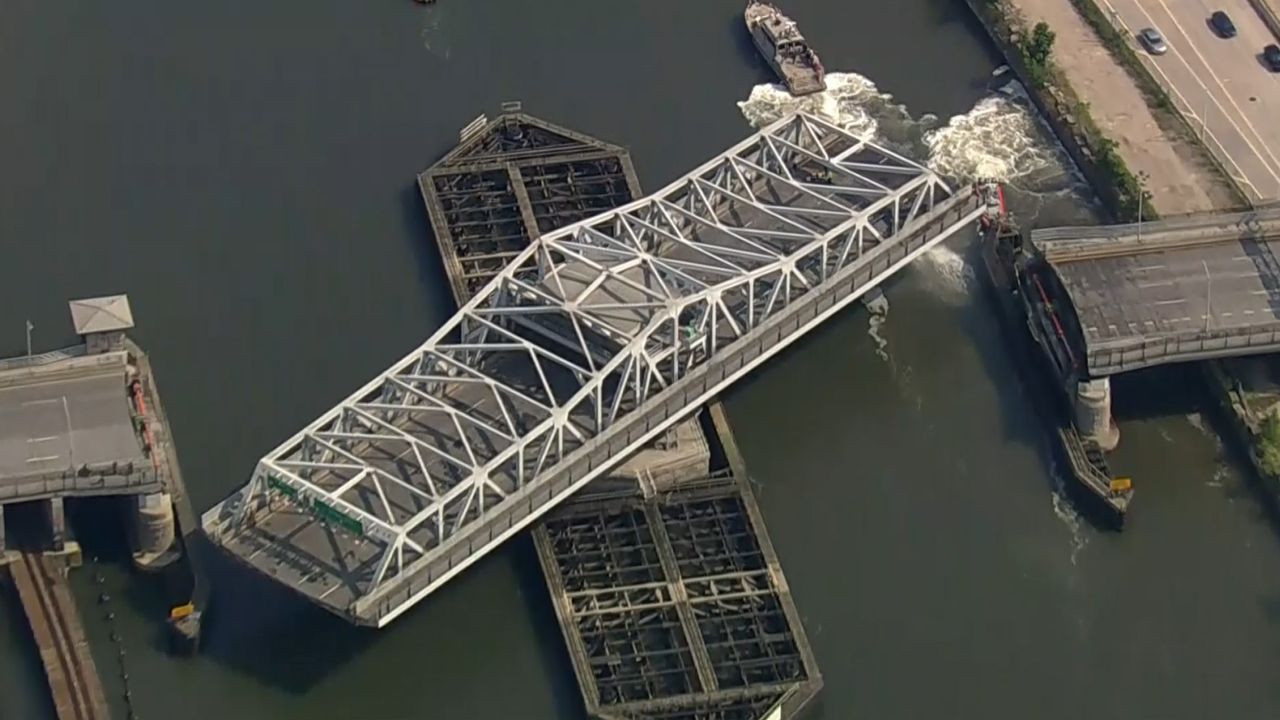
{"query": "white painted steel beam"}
pixel 577 336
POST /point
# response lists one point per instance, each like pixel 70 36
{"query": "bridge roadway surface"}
pixel 1190 288
pixel 592 342
pixel 1220 83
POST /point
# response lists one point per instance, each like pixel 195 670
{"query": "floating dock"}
pixel 666 586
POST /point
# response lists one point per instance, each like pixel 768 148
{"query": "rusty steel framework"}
pixel 590 343
pixel 673 605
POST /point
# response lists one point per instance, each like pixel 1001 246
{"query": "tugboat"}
pixel 1013 273
pixel 779 40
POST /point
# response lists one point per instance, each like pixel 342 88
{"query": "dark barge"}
pixel 1020 283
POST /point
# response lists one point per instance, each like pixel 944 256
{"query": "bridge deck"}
pixel 590 344
pixel 66 428
pixel 1189 288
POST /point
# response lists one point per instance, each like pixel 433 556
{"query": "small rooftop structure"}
pixel 101 321
pixel 101 314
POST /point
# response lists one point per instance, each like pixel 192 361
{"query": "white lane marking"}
pixel 1155 283
pixel 41 402
pixel 1243 116
pixel 46 438
pixel 1170 302
pixel 45 458
pixel 1240 176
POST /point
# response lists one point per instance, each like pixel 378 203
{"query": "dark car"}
pixel 1271 56
pixel 1222 24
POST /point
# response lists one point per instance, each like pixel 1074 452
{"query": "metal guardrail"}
pixel 27 361
pixel 71 484
pixel 1065 244
pixel 1202 345
pixel 1264 214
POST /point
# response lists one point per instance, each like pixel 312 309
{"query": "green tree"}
pixel 1041 44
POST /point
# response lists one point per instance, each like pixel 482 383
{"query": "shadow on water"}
pixel 430 266
pixel 1181 390
pixel 748 53
pixel 1165 391
pixel 1029 402
pixel 551 644
pixel 265 631
pixel 101 526
pixel 1023 395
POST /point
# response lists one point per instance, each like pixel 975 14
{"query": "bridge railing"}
pixel 1207 344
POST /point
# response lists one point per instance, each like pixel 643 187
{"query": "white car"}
pixel 1153 40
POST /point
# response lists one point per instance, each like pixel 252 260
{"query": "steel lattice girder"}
pixel 575 336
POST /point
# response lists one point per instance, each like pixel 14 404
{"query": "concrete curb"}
pixel 1270 15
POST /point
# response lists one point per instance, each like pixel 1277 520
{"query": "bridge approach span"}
pixel 590 343
pixel 1189 288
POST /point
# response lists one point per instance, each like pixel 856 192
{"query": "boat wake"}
pixel 999 138
pixel 1065 511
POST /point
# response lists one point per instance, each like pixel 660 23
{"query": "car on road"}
pixel 1153 40
pixel 1271 56
pixel 1222 25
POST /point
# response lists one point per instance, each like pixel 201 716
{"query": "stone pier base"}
pixel 1093 413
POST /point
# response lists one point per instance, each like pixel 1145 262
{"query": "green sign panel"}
pixel 318 508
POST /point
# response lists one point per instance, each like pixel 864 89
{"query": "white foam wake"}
pixel 998 139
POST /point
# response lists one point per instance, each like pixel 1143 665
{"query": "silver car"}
pixel 1153 41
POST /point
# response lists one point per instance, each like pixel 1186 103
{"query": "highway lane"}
pixel 1220 82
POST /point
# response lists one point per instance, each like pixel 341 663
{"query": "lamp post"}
pixel 1208 295
pixel 1142 193
pixel 1204 116
pixel 30 327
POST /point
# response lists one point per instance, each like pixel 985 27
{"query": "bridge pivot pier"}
pixel 1093 413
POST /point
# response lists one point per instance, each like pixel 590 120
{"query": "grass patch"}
pixel 1268 444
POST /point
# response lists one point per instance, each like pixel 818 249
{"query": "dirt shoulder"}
pixel 1181 178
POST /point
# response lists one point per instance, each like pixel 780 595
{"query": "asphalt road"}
pixel 1220 82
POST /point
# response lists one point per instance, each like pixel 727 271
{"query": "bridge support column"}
pixel 57 524
pixel 153 528
pixel 2 547
pixel 1093 413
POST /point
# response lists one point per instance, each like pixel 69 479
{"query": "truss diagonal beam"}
pixel 574 354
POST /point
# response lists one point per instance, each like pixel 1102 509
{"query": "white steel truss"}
pixel 572 338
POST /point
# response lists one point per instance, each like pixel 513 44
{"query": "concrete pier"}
pixel 1093 413
pixel 57 523
pixel 153 526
